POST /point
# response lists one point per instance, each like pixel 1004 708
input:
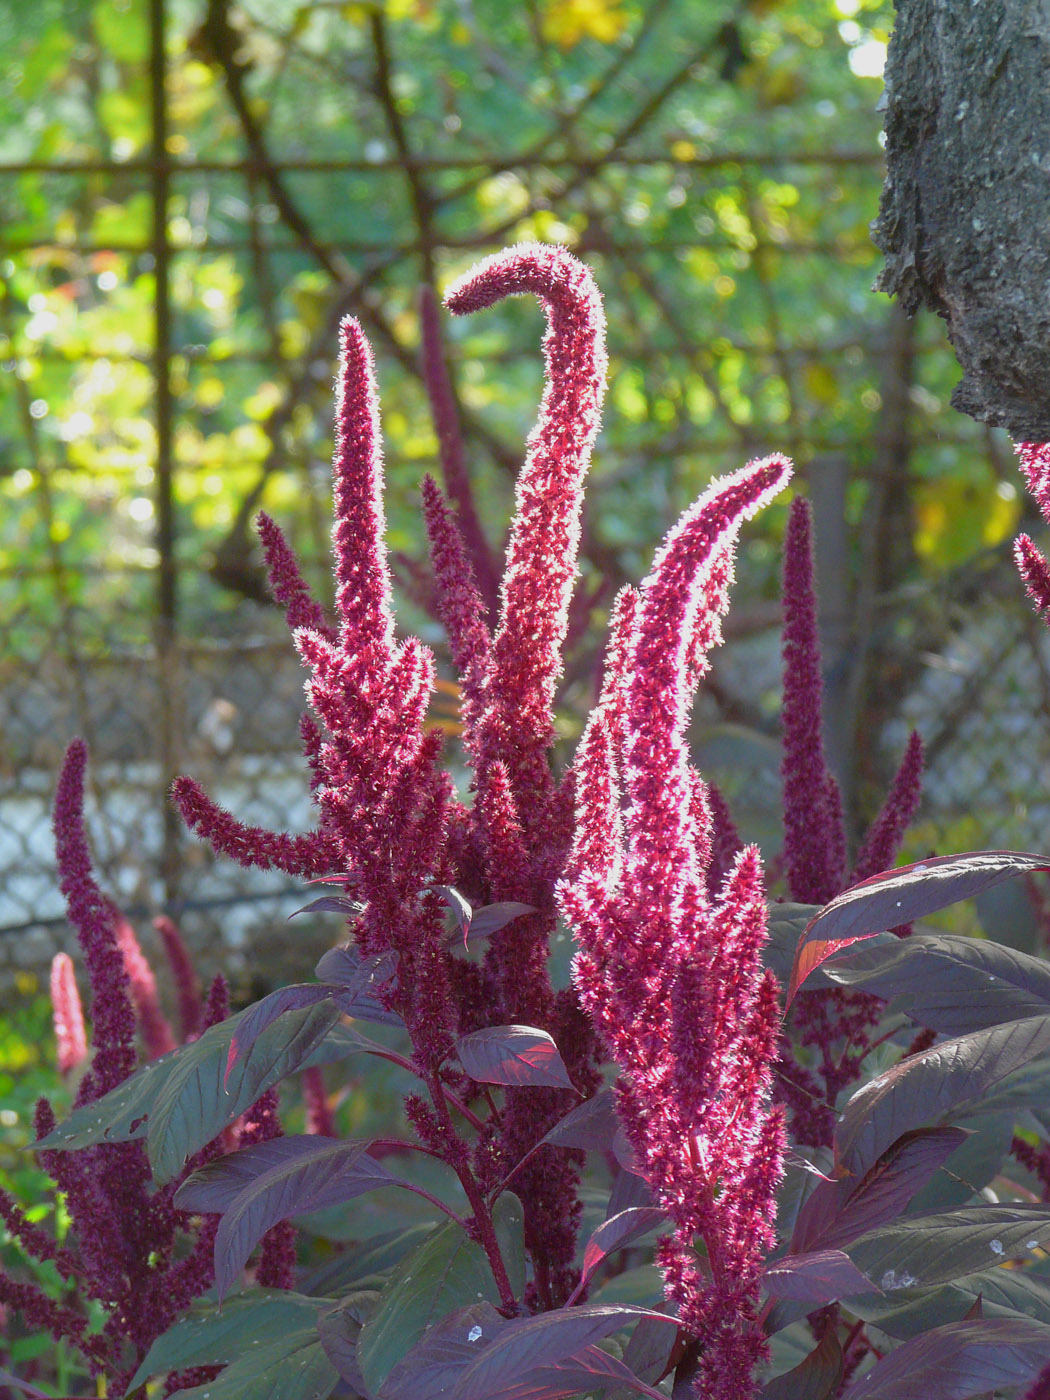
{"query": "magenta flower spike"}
pixel 883 840
pixel 679 592
pixel 545 534
pixel 460 605
pixel 1034 569
pixel 67 1014
pixel 1035 467
pixel 814 841
pixel 286 582
pixel 184 975
pixel 92 915
pixel 450 448
pixel 362 574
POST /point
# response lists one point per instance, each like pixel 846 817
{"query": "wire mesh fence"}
pixel 171 289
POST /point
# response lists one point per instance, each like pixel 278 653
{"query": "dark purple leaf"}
pixel 490 918
pixel 586 1370
pixel 338 1331
pixel 629 1190
pixel 951 983
pixel 959 1360
pixel 840 1211
pixel 816 1378
pixel 357 979
pixel 592 1125
pixel 527 1343
pixel 330 904
pixel 648 1350
pixel 460 907
pixel 822 1276
pixel 901 895
pixel 931 1087
pixel 618 1231
pixel 265 1012
pixel 433 1365
pixel 513 1055
pixel 288 1176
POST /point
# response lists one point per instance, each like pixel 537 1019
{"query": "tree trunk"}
pixel 965 210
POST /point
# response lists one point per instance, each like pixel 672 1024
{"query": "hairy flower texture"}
pixel 1035 467
pixel 286 582
pixel 156 1033
pixel 518 725
pixel 814 841
pixel 1035 572
pixel 674 981
pixel 67 1014
pixel 184 976
pixel 450 449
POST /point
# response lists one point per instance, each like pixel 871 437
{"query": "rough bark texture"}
pixel 964 219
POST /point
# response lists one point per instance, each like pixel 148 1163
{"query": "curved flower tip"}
pixel 1035 465
pixel 675 591
pixel 363 593
pixel 544 269
pixel 1034 570
pixel 545 534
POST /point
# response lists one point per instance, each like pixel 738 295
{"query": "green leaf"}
pixel 123 1114
pixel 1003 1293
pixel 448 1272
pixel 193 1106
pixel 931 1249
pixel 209 1335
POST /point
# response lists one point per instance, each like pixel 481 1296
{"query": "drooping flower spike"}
pixel 545 533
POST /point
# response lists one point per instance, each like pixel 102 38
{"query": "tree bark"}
pixel 965 210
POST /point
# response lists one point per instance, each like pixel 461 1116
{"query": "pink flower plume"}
pixel 67 1014
pixel 1035 467
pixel 545 534
pixel 460 605
pixel 814 840
pixel 155 1029
pixel 1035 572
pixel 306 855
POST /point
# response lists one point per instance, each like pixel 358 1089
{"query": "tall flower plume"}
pixel 674 981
